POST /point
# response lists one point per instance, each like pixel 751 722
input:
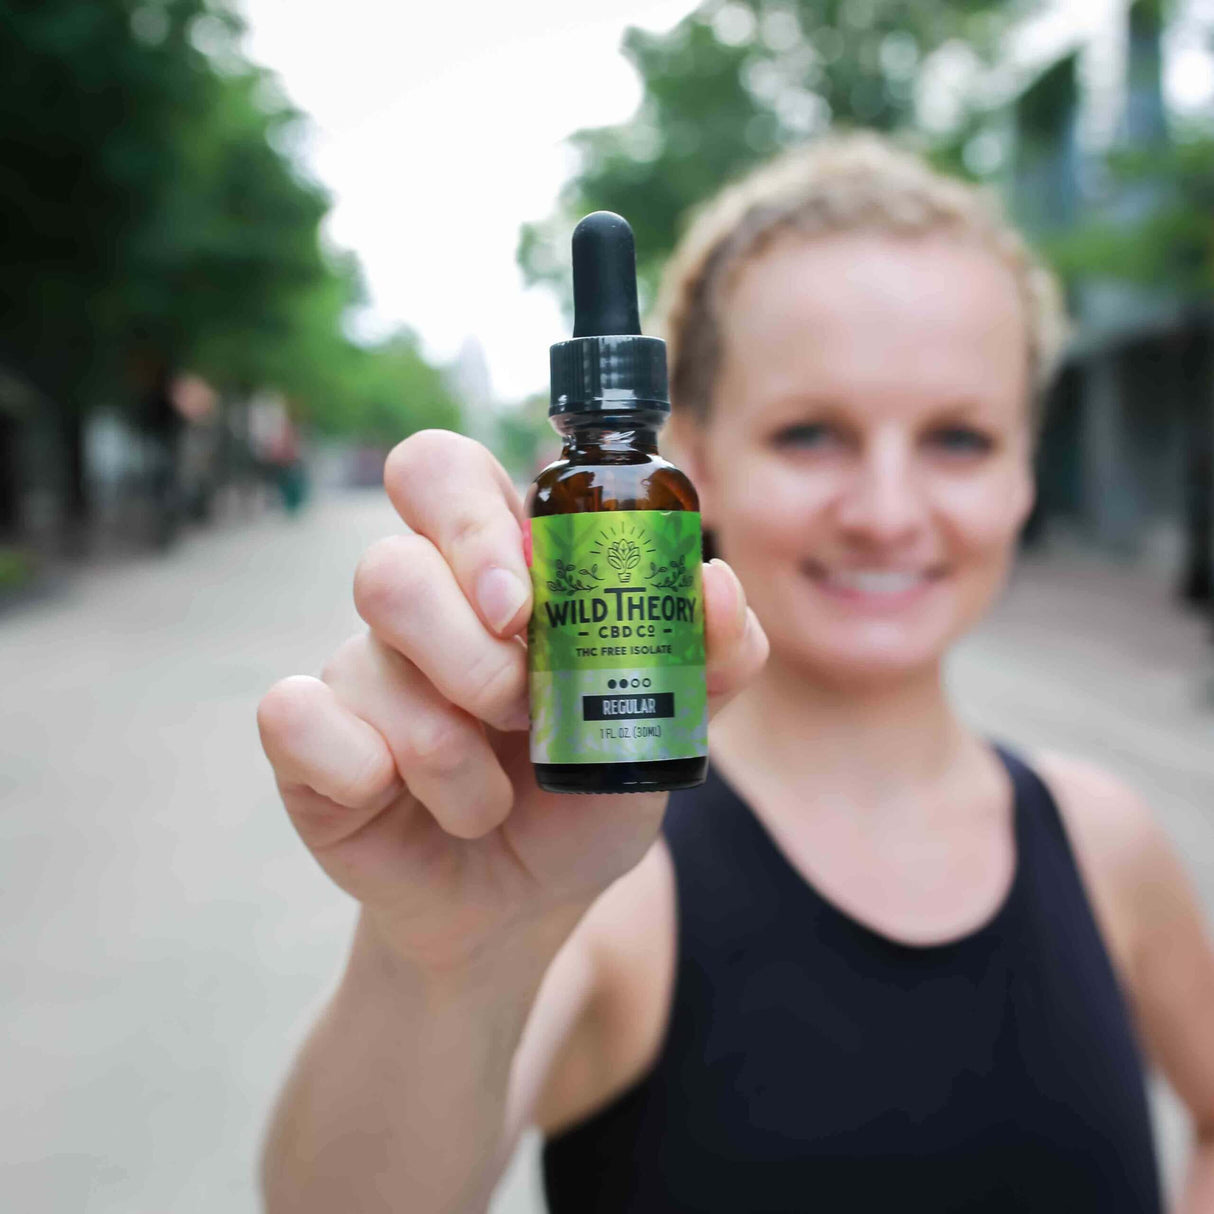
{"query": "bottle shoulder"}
pixel 649 483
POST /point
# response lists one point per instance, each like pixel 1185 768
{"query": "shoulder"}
pixel 1121 849
pixel 626 949
pixel 1107 819
pixel 1168 962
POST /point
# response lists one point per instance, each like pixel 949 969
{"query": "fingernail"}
pixel 500 594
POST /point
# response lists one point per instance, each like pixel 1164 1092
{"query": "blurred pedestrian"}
pixel 277 452
pixel 163 424
pixel 876 962
pixel 198 461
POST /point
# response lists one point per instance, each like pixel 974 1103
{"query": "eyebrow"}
pixel 962 410
pixel 798 403
pixel 829 406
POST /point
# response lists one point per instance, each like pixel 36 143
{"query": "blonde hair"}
pixel 847 183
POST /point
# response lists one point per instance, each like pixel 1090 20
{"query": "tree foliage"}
pixel 1168 241
pixel 383 380
pixel 735 82
pixel 153 218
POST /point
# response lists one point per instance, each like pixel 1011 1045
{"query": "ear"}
pixel 1027 495
pixel 685 441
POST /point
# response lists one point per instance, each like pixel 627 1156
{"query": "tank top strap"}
pixel 1035 807
pixel 1048 876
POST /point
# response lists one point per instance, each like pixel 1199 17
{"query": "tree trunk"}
pixel 1197 380
pixel 10 477
pixel 77 502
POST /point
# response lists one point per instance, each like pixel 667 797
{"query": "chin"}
pixel 869 672
pixel 866 658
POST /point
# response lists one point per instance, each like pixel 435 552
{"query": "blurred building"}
pixel 1127 453
pixel 469 382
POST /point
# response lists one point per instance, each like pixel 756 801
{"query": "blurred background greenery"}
pixel 167 290
pixel 153 222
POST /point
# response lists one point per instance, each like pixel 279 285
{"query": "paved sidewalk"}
pixel 167 937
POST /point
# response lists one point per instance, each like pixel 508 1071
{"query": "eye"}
pixel 960 440
pixel 803 435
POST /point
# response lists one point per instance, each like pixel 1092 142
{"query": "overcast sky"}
pixel 438 128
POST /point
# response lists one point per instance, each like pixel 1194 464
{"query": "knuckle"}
pixel 494 681
pixel 284 707
pixel 375 776
pixel 469 529
pixel 438 745
pixel 348 656
pixel 389 576
pixel 428 475
pixel 419 454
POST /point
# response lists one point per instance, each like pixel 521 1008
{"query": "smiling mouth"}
pixel 875 585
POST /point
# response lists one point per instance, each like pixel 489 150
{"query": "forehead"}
pixel 906 317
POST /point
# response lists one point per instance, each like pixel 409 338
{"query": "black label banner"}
pixel 638 706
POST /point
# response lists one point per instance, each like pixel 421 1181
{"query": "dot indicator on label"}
pixel 611 684
pixel 646 682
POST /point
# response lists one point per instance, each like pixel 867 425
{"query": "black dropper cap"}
pixel 608 366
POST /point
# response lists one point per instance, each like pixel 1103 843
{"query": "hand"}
pixel 405 767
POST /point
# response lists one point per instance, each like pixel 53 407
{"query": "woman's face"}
pixel 866 463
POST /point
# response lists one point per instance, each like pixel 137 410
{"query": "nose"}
pixel 883 503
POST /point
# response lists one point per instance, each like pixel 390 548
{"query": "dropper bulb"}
pixel 604 277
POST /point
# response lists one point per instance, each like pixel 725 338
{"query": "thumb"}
pixel 735 643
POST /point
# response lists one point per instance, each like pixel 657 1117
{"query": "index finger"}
pixel 451 490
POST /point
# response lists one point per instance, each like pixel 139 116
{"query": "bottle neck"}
pixel 608 438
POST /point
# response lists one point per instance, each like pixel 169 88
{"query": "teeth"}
pixel 875 581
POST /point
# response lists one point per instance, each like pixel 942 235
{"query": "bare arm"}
pixel 1173 986
pixel 405 771
pixel 397 1099
pixel 1155 925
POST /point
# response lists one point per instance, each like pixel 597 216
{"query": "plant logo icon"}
pixel 624 556
pixel 623 546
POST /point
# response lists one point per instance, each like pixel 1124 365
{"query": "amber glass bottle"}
pixel 616 640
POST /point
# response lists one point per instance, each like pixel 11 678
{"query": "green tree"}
pixel 153 218
pixel 1170 243
pixel 88 112
pixel 221 270
pixel 386 390
pixel 735 82
pixel 524 435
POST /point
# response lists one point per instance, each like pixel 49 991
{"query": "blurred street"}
pixel 168 939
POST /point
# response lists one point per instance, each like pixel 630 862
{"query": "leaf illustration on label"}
pixel 567 581
pixel 679 577
pixel 624 556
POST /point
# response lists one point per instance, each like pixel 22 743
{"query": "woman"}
pixel 874 962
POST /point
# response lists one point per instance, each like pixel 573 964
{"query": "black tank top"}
pixel 812 1064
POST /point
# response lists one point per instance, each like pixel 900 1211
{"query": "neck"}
pixel 867 744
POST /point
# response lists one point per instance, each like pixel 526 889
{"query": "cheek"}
pixel 765 505
pixel 984 515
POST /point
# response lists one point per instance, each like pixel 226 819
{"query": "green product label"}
pixel 616 639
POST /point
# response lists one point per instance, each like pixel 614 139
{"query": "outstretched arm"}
pixel 405 771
